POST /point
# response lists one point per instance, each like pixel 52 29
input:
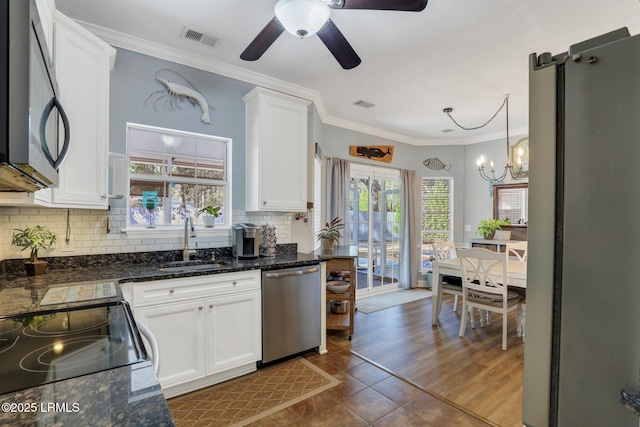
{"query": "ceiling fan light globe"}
pixel 302 18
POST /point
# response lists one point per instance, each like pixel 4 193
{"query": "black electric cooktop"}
pixel 45 347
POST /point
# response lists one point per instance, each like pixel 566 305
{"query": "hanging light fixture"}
pixel 515 170
pixel 302 18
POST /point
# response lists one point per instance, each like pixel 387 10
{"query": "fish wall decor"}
pixel 380 153
pixel 436 164
pixel 175 92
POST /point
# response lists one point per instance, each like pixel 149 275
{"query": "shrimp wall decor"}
pixel 174 93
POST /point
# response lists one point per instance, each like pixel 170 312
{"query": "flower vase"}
pixel 36 268
pixel 326 245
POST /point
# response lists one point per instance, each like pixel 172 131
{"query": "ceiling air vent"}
pixel 363 104
pixel 200 37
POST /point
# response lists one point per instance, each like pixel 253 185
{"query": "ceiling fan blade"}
pixel 405 5
pixel 263 40
pixel 338 46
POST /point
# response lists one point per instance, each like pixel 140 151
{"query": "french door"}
pixel 374 208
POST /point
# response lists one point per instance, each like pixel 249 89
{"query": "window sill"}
pixel 161 232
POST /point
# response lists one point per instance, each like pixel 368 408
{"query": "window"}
pixel 183 171
pixel 437 215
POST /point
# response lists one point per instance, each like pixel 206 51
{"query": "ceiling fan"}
pixel 304 18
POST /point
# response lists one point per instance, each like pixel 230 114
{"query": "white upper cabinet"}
pixel 82 63
pixel 276 154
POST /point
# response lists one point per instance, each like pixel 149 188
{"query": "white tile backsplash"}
pixel 89 231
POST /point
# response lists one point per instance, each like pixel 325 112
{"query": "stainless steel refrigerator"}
pixel 583 279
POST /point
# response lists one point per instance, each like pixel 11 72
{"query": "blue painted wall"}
pixel 133 80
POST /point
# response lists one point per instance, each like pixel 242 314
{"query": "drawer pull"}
pixel 171 291
pixel 200 308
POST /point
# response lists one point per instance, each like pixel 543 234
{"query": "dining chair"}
pixel 484 287
pixel 518 250
pixel 502 235
pixel 452 285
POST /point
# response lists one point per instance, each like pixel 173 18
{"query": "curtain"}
pixel 338 178
pixel 409 230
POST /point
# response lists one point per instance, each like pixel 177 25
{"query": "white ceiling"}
pixel 464 54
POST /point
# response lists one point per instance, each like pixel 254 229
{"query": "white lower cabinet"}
pixel 179 329
pixel 234 329
pixel 208 328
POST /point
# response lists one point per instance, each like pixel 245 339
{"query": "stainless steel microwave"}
pixel 34 129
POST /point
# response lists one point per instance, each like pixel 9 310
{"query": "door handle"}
pixel 291 273
pixel 54 103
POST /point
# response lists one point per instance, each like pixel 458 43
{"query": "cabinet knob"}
pixel 104 196
pixel 264 202
pixel 235 283
pixel 200 308
pixel 171 291
pixel 210 305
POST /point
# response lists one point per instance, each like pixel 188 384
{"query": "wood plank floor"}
pixel 472 372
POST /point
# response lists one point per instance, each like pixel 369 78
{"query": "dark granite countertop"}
pixel 130 395
pixel 20 294
pixel 126 396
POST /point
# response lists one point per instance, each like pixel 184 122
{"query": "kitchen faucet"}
pixel 186 252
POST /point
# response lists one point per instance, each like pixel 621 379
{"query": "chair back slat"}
pixel 518 250
pixel 484 270
pixel 444 250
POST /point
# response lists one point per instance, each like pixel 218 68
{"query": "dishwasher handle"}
pixel 291 273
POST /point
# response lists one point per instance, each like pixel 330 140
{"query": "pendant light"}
pixel 515 170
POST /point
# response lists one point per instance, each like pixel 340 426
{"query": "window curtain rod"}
pixel 367 164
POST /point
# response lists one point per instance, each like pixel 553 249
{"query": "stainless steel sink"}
pixel 186 266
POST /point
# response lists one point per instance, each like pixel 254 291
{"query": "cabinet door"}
pixel 234 331
pixel 283 155
pixel 276 158
pixel 180 331
pixel 82 64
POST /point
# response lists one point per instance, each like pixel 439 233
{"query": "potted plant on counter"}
pixel 329 235
pixel 488 227
pixel 34 238
pixel 210 215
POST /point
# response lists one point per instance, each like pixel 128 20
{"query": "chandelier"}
pixel 515 170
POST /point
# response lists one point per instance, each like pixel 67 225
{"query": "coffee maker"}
pixel 245 241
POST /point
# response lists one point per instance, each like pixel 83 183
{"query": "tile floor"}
pixel 367 396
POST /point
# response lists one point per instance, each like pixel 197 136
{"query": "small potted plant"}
pixel 488 227
pixel 329 235
pixel 210 215
pixel 34 238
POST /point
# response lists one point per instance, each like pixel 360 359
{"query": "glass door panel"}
pixel 375 216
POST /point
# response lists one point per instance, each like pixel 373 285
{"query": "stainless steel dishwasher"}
pixel 290 311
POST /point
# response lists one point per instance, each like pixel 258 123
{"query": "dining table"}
pixel 516 277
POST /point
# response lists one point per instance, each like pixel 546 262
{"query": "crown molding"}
pixel 157 50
